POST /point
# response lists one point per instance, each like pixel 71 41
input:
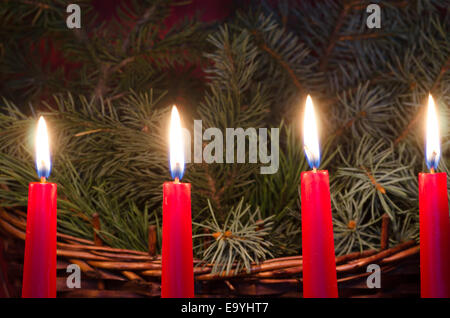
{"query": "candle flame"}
pixel 310 135
pixel 433 148
pixel 43 162
pixel 176 146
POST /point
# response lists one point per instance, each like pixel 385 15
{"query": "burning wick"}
pixel 433 158
pixel 43 178
pixel 309 155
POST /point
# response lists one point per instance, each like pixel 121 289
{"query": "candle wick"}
pixel 43 180
pixel 433 161
pixel 314 169
pixel 177 180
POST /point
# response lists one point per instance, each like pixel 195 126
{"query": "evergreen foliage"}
pixel 108 119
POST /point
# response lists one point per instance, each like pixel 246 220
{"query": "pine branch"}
pixel 111 150
pixel 350 123
pixel 279 59
pixel 237 242
pixel 420 112
pixel 445 68
pixel 374 182
pixel 382 4
pixel 144 19
pixel 358 37
pixel 335 34
pixel 36 4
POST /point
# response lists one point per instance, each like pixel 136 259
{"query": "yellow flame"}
pixel 310 135
pixel 433 148
pixel 176 145
pixel 43 162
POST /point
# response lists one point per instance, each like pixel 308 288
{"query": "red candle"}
pixel 434 218
pixel 319 263
pixel 177 279
pixel 39 270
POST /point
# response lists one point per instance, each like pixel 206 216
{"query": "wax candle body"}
pixel 434 235
pixel 177 279
pixel 39 270
pixel 319 263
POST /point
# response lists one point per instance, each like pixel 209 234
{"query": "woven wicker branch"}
pixel 136 268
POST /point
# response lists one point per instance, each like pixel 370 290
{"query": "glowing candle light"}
pixel 311 135
pixel 176 146
pixel 319 264
pixel 433 144
pixel 39 272
pixel 43 162
pixel 434 217
pixel 177 279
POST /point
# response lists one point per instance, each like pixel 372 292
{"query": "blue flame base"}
pixel 43 172
pixel 177 172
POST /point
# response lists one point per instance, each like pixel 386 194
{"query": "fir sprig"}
pixel 108 119
pixel 237 242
